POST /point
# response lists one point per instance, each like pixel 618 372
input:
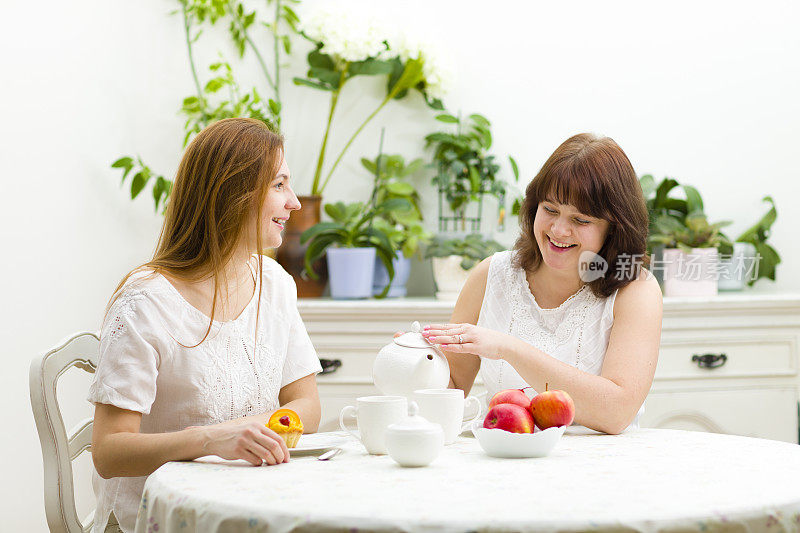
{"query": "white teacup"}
pixel 374 414
pixel 446 408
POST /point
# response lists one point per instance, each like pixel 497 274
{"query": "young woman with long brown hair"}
pixel 533 316
pixel 202 343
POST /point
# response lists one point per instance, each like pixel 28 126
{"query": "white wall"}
pixel 704 92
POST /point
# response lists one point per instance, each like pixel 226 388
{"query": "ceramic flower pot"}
pixel 351 271
pixel 693 274
pixel 449 276
pixel 402 270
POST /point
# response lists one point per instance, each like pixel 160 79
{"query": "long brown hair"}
pixel 221 184
pixel 595 176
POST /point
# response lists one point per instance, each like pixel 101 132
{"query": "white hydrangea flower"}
pixel 437 72
pixel 347 35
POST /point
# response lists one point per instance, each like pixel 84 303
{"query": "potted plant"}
pixel 454 258
pixel 350 242
pixel 465 171
pixel 346 46
pixel 403 226
pixel 691 253
pixel 747 259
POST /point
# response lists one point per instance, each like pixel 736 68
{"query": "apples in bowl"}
pixel 515 430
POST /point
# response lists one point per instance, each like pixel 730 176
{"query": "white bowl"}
pixel 501 443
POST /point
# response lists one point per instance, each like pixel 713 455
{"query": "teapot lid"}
pixel 416 424
pixel 413 338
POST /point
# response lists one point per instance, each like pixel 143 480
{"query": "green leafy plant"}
pixel 352 226
pixel 331 71
pixel 403 226
pixel 465 169
pixel 757 235
pixel 694 231
pixel 473 248
pixel 221 97
pixel 688 224
pixel 660 201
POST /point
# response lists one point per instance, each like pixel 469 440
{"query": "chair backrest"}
pixel 60 448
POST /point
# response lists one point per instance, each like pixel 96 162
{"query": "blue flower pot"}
pixel 402 269
pixel 350 272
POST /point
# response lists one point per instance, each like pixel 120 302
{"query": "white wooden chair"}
pixel 60 448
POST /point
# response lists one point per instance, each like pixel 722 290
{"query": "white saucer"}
pixel 317 443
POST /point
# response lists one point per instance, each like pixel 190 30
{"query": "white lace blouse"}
pixel 143 367
pixel 576 332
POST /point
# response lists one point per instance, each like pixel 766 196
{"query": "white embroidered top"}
pixel 576 332
pixel 143 368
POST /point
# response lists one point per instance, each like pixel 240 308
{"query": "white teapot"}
pixel 410 363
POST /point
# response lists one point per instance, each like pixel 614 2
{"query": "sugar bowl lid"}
pixel 415 424
pixel 413 338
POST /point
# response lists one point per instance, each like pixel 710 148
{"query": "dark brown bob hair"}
pixel 595 176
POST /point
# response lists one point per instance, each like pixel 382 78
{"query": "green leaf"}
pixel 290 16
pixel 480 120
pixel 315 250
pixel 694 202
pixel 138 183
pixel 327 228
pixel 311 83
pixel 663 190
pixel 475 179
pixel 648 185
pixel 760 230
pixel 317 59
pixel 369 67
pixel 401 188
pixel 514 168
pixel 330 77
pixel 369 165
pixel 215 84
pixel 122 162
pixel 412 74
pixel 287 44
pixel 274 107
pixel 336 211
pixel 444 117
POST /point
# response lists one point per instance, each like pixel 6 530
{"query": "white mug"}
pixel 374 414
pixel 446 408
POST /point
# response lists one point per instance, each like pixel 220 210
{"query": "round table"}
pixel 644 480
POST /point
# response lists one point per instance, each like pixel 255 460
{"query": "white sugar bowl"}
pixel 414 441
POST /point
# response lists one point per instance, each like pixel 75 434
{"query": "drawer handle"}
pixel 710 360
pixel 330 366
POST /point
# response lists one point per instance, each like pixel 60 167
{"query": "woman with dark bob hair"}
pixel 572 305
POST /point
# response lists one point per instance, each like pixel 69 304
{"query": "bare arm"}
pixel 465 366
pixel 302 397
pixel 608 402
pixel 118 449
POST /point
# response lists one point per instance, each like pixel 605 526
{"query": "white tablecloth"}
pixel 646 480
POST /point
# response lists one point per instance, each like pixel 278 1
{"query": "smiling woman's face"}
pixel 562 233
pixel 278 205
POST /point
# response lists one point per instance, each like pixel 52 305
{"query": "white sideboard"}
pixel 727 364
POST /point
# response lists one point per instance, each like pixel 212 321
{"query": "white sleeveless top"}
pixel 576 332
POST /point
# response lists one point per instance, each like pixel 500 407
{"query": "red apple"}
pixel 514 396
pixel 509 417
pixel 552 408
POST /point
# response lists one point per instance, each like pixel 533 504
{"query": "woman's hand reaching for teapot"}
pixel 467 338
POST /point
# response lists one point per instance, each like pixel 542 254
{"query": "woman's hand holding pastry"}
pixel 252 442
pixel 466 338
